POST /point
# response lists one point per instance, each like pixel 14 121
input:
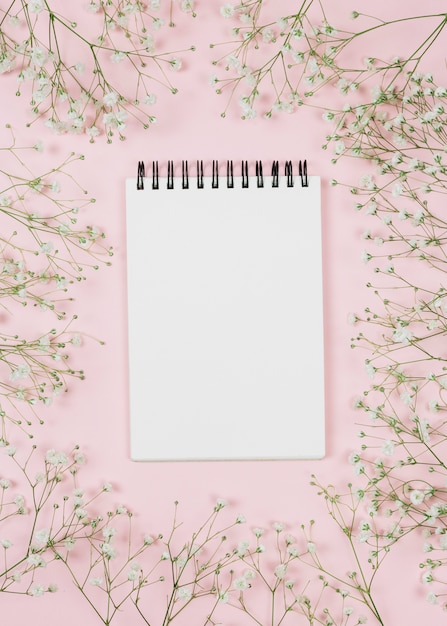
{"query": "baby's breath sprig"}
pixel 48 515
pixel 399 132
pixel 84 94
pixel 272 582
pixel 44 248
pixel 289 59
pixel 33 372
pixel 125 571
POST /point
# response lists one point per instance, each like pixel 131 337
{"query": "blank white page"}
pixel 225 321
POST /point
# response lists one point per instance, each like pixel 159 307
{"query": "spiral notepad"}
pixel 225 312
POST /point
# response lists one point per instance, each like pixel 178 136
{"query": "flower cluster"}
pixel 44 248
pixel 38 522
pixel 84 94
pixel 125 570
pixel 286 58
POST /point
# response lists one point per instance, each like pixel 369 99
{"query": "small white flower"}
pixel 417 497
pixel 35 6
pixel 96 582
pixel 280 571
pixel 175 64
pixel 402 334
pixel 132 575
pixel 92 131
pixel 42 536
pixel 223 596
pixel 55 186
pixel 37 591
pixel 36 560
pixel 227 10
pixel 69 543
pixel 81 513
pixel 108 532
pixel 108 550
pixel 46 248
pixel 184 593
pixel 117 57
pixel 242 548
pixel 38 56
pixel 53 457
pixel 20 372
pixel 240 584
pixel 109 99
pixel 388 447
pixel 432 598
pixel 6 543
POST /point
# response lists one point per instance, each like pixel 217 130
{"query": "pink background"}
pixel 94 413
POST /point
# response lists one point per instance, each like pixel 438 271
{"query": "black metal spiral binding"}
pixel 199 174
pixel 185 177
pixel 155 184
pixel 244 170
pixel 259 176
pixel 245 179
pixel 288 171
pixel 230 177
pixel 275 174
pixel 215 180
pixel 170 180
pixel 302 171
pixel 140 175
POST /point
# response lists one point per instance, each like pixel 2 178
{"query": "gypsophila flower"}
pixel 417 497
pixel 242 548
pixel 227 10
pixel 108 532
pixel 175 64
pixel 54 457
pixel 36 560
pixel 223 597
pixel 42 536
pixel 35 6
pixel 432 598
pixel 402 334
pixel 132 575
pixel 21 372
pixel 108 550
pixel 387 447
pixel 184 593
pixel 240 584
pixel 37 591
pixel 280 571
